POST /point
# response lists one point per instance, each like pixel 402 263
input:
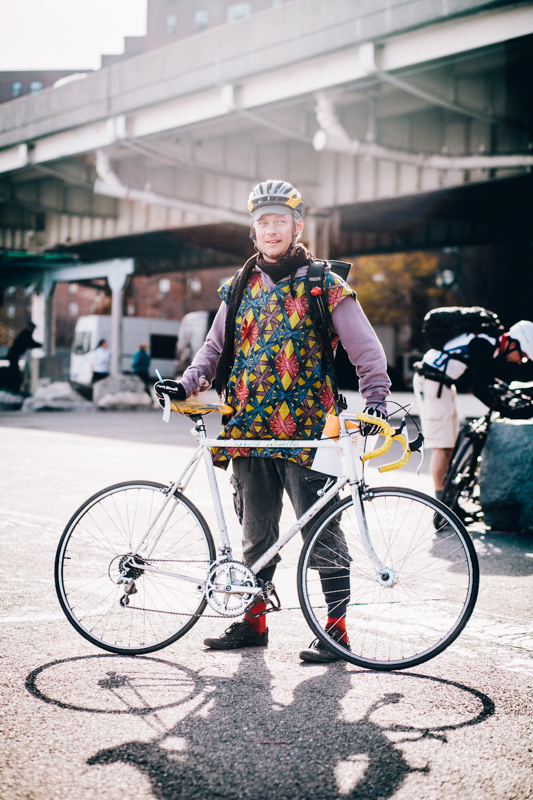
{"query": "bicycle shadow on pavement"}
pixel 336 738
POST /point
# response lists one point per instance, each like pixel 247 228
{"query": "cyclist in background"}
pixel 477 359
pixel 271 366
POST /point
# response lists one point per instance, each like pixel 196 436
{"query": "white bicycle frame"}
pixel 343 444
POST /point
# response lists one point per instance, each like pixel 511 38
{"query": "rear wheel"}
pixel 413 608
pixel 94 554
pixel 461 488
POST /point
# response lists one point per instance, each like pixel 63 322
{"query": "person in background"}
pixel 480 359
pixel 141 365
pixel 101 361
pixel 22 342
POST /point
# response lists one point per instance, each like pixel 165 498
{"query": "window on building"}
pixel 163 346
pixel 164 286
pixel 171 23
pixel 35 86
pixel 16 88
pixel 201 19
pixel 72 288
pixel 238 11
pixel 195 285
pixel 73 309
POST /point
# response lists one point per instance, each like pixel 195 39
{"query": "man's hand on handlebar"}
pixel 366 428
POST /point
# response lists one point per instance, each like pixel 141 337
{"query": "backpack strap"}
pixel 318 309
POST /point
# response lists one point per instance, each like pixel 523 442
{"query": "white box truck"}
pixel 160 335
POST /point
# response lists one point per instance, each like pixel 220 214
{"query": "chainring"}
pixel 230 574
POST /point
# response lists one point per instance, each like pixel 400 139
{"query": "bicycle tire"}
pixel 460 483
pixel 436 579
pixel 100 533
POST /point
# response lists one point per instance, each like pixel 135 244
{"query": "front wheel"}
pixel 410 610
pixel 93 557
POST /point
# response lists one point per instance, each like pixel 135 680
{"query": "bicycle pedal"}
pixel 269 591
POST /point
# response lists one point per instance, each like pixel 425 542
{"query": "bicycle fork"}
pixel 384 575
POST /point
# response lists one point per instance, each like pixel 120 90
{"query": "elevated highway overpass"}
pixel 405 123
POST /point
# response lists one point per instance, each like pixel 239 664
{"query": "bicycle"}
pixel 136 566
pixel 461 487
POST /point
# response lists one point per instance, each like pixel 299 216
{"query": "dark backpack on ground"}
pixel 443 324
pixel 318 309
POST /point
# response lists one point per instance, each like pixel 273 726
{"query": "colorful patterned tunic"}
pixel 281 382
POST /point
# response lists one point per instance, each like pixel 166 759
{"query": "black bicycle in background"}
pixel 461 487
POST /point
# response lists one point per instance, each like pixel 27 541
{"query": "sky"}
pixel 65 34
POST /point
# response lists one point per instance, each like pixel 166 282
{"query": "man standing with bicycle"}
pixel 478 357
pixel 274 367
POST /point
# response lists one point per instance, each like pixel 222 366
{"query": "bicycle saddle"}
pixel 196 407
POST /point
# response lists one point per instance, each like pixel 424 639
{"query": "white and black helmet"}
pixel 275 197
pixel 522 332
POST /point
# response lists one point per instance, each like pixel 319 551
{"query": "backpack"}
pixel 318 309
pixel 443 324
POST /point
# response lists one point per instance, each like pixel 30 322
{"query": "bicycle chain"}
pixel 179 613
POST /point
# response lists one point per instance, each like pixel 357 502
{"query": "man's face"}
pixel 514 353
pixel 274 234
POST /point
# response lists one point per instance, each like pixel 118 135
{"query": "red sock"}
pixel 340 624
pixel 259 623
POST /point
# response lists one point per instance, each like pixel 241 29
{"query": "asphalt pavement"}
pixel 186 722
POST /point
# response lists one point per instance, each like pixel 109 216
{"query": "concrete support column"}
pixel 116 279
pixel 317 235
pixel 49 339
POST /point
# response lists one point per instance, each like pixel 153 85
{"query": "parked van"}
pixel 160 335
pixel 194 329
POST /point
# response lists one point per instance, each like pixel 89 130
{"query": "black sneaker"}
pixel 317 653
pixel 240 634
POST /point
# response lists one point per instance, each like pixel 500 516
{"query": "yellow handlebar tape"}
pixel 390 434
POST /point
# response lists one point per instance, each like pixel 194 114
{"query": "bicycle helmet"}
pixel 275 197
pixel 522 332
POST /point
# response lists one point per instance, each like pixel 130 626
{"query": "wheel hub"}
pixel 386 577
pixel 226 586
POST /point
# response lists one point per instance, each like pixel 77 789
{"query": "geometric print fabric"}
pixel 281 384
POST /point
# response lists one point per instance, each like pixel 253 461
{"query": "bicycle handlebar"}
pixel 390 434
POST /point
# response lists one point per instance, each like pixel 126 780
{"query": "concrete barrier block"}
pixel 58 396
pixel 123 392
pixel 506 476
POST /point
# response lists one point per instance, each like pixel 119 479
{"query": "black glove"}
pixel 515 405
pixel 366 428
pixel 175 391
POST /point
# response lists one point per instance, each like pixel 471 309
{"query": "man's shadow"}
pixel 247 746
